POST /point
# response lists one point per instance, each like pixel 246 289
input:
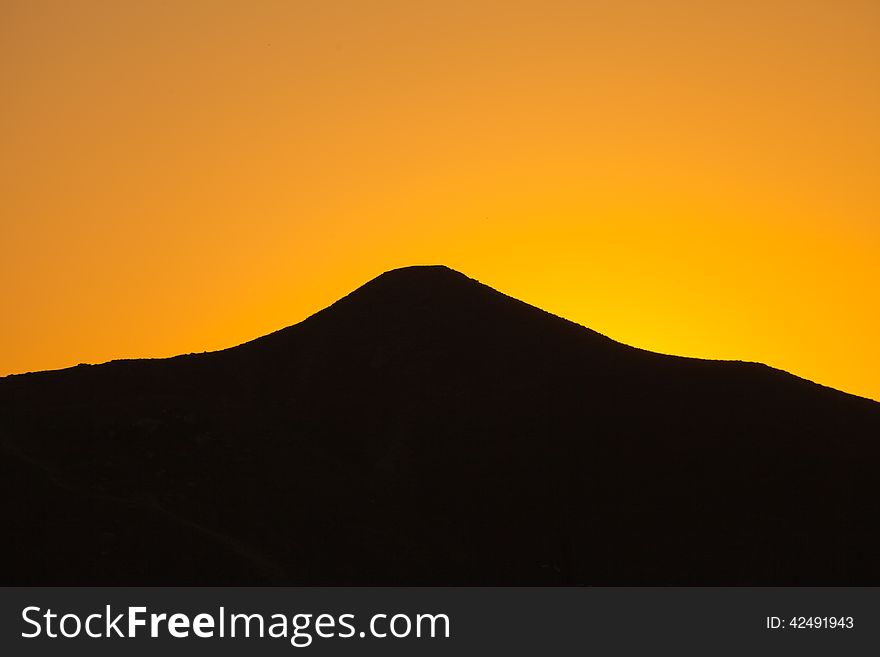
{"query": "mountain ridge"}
pixel 432 275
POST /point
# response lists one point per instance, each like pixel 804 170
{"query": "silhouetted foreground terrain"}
pixel 428 430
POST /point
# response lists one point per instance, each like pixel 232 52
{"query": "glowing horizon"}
pixel 693 178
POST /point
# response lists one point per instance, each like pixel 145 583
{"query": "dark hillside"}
pixel 426 429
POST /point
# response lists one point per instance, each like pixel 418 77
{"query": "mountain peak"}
pixel 422 274
pixel 418 283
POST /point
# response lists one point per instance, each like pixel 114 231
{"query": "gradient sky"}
pixel 693 177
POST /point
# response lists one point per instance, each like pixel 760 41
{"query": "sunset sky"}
pixel 694 177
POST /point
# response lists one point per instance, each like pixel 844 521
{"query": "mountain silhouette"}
pixel 428 430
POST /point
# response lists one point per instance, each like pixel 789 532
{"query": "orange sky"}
pixel 692 177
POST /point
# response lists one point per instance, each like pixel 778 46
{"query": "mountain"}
pixel 426 429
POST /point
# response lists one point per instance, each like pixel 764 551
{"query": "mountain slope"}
pixel 426 429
